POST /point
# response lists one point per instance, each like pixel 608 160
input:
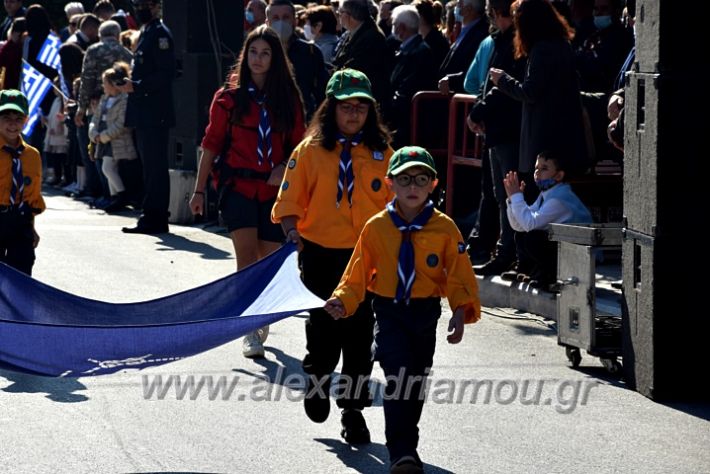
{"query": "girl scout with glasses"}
pixel 334 182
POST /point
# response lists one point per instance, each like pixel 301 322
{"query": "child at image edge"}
pixel 409 255
pixel 20 185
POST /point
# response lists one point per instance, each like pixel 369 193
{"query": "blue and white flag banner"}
pixel 35 86
pixel 46 331
pixel 49 52
pixel 49 55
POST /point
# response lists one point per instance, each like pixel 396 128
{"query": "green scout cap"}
pixel 14 100
pixel 348 84
pixel 409 157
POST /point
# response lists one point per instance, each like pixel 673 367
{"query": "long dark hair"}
pixel 324 128
pixel 38 22
pixel 537 20
pixel 280 85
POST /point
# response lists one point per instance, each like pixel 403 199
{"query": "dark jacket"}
pixel 460 56
pixel 151 103
pixel 367 52
pixel 552 109
pixel 499 112
pixel 311 75
pixel 412 73
pixel 602 56
pixel 439 46
pixel 11 60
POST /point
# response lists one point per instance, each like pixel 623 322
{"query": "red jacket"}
pixel 244 141
pixel 11 60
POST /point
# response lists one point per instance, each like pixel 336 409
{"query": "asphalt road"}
pixel 531 413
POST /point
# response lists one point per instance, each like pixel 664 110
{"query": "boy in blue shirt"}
pixel 557 204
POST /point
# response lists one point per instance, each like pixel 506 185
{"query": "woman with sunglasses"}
pixel 334 183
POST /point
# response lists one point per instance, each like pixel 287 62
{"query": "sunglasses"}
pixel 419 180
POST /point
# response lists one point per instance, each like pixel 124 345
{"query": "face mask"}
pixel 602 21
pixel 144 15
pixel 249 16
pixel 283 29
pixel 308 32
pixel 457 14
pixel 545 184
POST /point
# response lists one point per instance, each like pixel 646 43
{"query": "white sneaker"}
pixel 263 333
pixel 252 346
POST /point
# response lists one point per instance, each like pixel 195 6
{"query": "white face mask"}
pixel 283 29
pixel 308 32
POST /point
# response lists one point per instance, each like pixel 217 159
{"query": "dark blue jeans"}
pixel 16 240
pixel 405 339
pixel 93 181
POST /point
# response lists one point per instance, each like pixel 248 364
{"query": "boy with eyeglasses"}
pixel 409 256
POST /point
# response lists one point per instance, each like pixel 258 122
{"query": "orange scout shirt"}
pixel 442 266
pixel 310 187
pixel 31 170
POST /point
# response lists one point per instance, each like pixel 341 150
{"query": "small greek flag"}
pixel 35 86
pixel 49 55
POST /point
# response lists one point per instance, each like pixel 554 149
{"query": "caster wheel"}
pixel 612 365
pixel 574 356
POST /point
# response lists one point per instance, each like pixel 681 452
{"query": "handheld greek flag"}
pixel 49 55
pixel 35 86
pixel 47 331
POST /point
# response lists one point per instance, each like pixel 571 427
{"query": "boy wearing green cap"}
pixel 20 185
pixel 409 256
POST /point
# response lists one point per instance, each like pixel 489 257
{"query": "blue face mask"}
pixel 602 21
pixel 457 14
pixel 249 17
pixel 545 184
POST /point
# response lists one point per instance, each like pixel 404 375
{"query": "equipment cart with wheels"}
pixel 588 316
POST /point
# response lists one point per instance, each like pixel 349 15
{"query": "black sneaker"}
pixel 406 464
pixel 354 427
pixel 317 401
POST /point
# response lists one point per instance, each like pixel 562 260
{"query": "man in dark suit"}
pixel 365 48
pixel 151 112
pixel 474 28
pixel 412 71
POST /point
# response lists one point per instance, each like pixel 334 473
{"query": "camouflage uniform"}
pixel 98 58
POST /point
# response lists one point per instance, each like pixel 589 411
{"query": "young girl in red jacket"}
pixel 256 119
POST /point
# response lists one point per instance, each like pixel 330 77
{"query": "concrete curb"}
pixel 496 292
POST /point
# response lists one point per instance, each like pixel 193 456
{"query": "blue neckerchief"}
pixel 345 173
pixel 264 139
pixel 405 267
pixel 18 181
